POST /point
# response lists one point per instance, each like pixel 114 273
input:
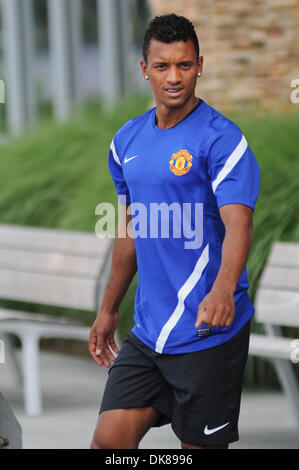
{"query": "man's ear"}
pixel 200 63
pixel 143 66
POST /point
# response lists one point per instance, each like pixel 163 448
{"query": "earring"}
pixel 199 74
pixel 146 77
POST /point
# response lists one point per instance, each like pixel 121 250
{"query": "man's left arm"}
pixel 218 307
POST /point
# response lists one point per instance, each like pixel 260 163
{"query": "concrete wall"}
pixel 250 49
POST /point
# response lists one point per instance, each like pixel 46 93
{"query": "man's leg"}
pixel 123 428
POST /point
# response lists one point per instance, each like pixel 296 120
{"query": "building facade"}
pixel 250 49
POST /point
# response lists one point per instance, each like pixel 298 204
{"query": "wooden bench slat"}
pixel 50 262
pixel 54 239
pixel 271 347
pixel 280 277
pixel 284 254
pixel 17 315
pixel 277 307
pixel 46 329
pixel 40 288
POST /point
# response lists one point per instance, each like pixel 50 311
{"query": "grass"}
pixel 55 176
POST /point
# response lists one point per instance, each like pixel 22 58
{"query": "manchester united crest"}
pixel 180 162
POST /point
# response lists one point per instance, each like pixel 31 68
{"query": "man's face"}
pixel 172 69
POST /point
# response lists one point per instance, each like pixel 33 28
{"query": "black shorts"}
pixel 199 393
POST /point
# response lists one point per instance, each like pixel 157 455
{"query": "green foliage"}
pixel 274 141
pixel 56 175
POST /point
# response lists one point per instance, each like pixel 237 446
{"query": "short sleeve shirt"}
pixel 176 180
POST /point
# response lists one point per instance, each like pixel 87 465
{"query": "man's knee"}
pixel 95 445
pixel 109 439
pixel 113 431
pixel 108 442
pixel 123 428
pixel 105 436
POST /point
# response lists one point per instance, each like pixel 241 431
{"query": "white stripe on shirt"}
pixel 182 294
pixel 115 156
pixel 230 162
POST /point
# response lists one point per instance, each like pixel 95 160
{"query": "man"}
pixel 184 359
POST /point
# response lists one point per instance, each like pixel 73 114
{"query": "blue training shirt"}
pixel 176 180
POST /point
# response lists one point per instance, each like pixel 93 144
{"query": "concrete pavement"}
pixel 72 390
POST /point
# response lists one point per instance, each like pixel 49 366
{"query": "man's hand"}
pixel 216 309
pixel 101 338
pixel 123 269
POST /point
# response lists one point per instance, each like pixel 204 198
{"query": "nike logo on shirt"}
pixel 126 160
pixel 208 431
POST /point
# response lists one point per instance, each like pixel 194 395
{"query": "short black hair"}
pixel 169 28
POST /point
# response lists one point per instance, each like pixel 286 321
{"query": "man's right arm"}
pixel 123 269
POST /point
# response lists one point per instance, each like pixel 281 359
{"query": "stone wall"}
pixel 250 49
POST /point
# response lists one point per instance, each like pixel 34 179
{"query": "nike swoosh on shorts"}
pixel 208 431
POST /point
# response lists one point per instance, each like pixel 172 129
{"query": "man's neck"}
pixel 168 117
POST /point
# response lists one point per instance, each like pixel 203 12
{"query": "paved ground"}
pixel 72 390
